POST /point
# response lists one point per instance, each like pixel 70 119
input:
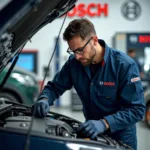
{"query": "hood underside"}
pixel 24 19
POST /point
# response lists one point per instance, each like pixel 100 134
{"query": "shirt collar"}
pixel 103 44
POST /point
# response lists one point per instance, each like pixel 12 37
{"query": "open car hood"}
pixel 57 131
pixel 20 20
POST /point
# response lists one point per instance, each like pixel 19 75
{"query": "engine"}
pixel 19 117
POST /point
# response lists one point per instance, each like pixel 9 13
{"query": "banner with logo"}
pixel 139 40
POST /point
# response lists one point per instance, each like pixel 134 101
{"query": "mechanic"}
pixel 106 80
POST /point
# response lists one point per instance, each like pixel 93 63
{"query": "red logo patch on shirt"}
pixel 135 79
pixel 109 83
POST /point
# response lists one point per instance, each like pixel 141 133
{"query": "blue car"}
pixel 19 130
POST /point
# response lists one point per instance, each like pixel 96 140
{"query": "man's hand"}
pixel 92 128
pixel 41 108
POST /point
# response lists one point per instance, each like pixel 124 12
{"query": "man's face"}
pixel 88 53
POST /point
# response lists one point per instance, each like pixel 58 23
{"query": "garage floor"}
pixel 143 133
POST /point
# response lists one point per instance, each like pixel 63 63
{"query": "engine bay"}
pixel 19 117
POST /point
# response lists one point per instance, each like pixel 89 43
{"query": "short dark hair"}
pixel 79 27
pixel 131 50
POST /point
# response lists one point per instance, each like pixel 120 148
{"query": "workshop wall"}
pixel 108 19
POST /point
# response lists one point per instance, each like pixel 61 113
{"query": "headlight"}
pixel 24 79
pixel 29 80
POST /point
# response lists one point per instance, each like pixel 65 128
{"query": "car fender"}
pixel 16 91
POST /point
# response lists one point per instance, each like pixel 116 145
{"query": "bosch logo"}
pixel 131 10
pixel 91 9
pixel 144 39
pixel 107 83
pixel 101 83
pixel 133 39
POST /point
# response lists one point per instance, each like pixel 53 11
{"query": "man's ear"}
pixel 95 40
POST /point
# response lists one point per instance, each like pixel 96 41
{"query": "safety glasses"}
pixel 78 51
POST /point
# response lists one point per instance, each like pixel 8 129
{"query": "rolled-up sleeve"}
pixel 60 83
pixel 131 99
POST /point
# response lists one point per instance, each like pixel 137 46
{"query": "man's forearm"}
pixel 125 117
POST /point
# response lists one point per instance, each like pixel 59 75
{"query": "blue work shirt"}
pixel 114 93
